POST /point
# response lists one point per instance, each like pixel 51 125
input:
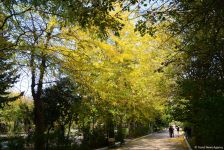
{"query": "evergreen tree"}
pixel 8 74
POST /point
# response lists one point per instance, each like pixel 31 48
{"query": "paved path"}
pixel 156 141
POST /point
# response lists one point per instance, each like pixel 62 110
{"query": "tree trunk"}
pixel 39 125
pixel 38 104
pixel 110 126
pixel 47 140
pixel 69 127
pixel 37 77
pixel 120 131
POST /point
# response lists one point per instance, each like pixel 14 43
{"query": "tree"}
pixel 60 102
pixel 201 81
pixel 120 73
pixel 8 72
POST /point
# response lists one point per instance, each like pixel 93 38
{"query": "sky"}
pixel 23 84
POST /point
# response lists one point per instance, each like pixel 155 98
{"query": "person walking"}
pixel 178 129
pixel 171 131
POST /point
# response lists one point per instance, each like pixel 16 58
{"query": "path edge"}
pixel 188 145
pixel 117 143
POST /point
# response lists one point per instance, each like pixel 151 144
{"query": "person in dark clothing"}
pixel 178 129
pixel 171 131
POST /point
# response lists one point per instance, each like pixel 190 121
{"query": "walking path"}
pixel 156 141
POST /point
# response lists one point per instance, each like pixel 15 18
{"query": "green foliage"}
pixel 16 143
pixel 17 116
pixel 199 94
pixel 97 138
pixel 85 14
pixel 8 72
pixel 61 102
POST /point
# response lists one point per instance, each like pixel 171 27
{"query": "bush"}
pixel 16 143
pixel 98 139
pixel 139 131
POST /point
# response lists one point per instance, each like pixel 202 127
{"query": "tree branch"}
pixel 11 15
